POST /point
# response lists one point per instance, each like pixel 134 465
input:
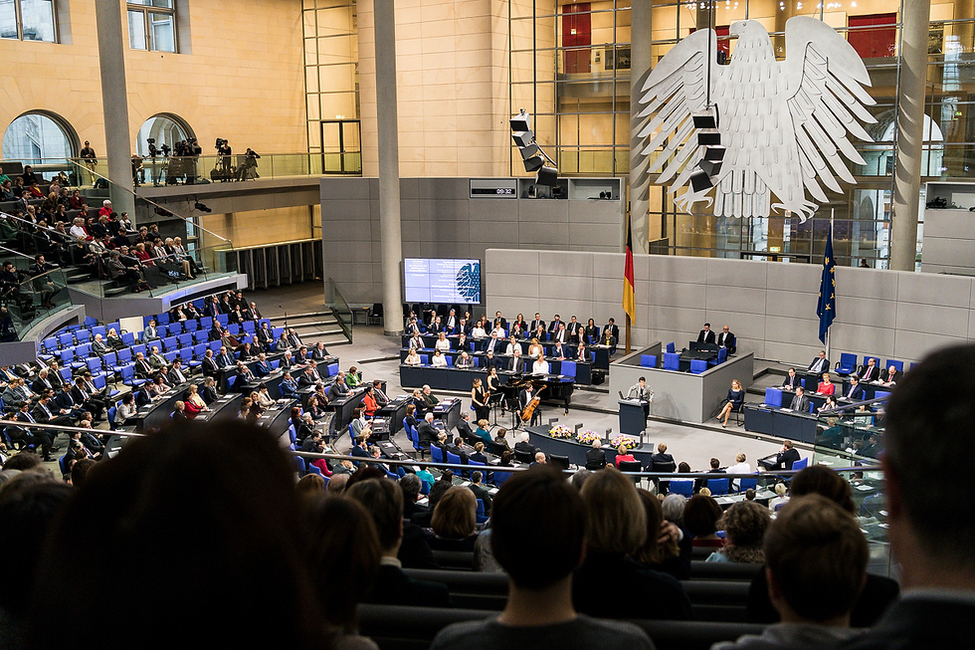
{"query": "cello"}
pixel 526 415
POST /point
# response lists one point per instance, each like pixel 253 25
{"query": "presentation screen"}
pixel 442 281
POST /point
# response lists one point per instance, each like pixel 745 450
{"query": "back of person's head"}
pixel 437 490
pixel 79 471
pixel 816 557
pixel 745 524
pixel 616 521
pixel 715 463
pixel 201 515
pixel 29 502
pixel 455 517
pixel 781 489
pixel 411 485
pixel 578 479
pixel 383 500
pixel 22 461
pixel 337 483
pixel 930 441
pixel 818 479
pixel 701 515
pixel 364 473
pixel 310 485
pixel 652 550
pixel 537 514
pixel 673 508
pixel 344 557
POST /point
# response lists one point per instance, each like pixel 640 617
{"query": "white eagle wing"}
pixel 675 89
pixel 825 78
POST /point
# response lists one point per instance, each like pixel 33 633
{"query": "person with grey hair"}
pixel 673 507
pixel 596 457
pixel 411 485
pixel 578 479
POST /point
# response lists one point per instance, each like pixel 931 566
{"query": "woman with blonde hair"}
pixel 734 402
pixel 609 583
pixel 194 403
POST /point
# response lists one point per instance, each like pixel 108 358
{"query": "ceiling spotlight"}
pixel 521 121
pixel 523 138
pixel 547 176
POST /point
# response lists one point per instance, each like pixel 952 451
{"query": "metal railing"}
pixel 340 307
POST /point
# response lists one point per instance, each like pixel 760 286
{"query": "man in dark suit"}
pixel 500 321
pixel 536 322
pixel 596 457
pixel 176 375
pixel 359 448
pixel 64 401
pixel 426 432
pixel 142 396
pixel 870 372
pixel 820 364
pixel 383 500
pixel 524 399
pixel 612 327
pixel 479 492
pixel 554 325
pixel 455 449
pixel 727 340
pixel 489 361
pixel 929 443
pixel 143 370
pixel 574 329
pixel 464 428
pixel 319 353
pixel 45 412
pixel 82 396
pixel 791 380
pixel 225 359
pixel 782 460
pixel 662 461
pixel 262 368
pixel 209 364
pixel 463 344
pixel 288 388
pixel 42 382
pixel 560 334
pixel 338 389
pixel 706 335
pixel 800 403
pixel 410 485
pixel 855 392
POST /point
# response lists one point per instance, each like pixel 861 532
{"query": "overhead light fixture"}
pixel 201 207
pixel 532 154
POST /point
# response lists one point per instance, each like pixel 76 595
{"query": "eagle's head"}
pixel 753 41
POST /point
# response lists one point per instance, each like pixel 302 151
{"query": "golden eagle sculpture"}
pixel 784 125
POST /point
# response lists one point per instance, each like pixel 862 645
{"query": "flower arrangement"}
pixel 560 431
pixel 624 440
pixel 586 437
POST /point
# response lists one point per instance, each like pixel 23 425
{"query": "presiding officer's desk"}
pixel 576 451
pixel 583 369
pixel 682 396
pixel 598 357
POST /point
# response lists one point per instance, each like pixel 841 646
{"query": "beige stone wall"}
pixel 265 226
pixel 452 74
pixel 242 81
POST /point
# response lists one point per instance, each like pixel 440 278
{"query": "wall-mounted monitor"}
pixel 442 280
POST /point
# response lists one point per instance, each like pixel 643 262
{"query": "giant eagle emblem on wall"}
pixel 784 126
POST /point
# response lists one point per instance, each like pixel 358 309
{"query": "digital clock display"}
pixel 503 188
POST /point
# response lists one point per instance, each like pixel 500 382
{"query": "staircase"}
pixel 318 326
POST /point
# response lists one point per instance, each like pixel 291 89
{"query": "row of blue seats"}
pixel 568 368
pixel 671 360
pixel 847 364
pixel 774 397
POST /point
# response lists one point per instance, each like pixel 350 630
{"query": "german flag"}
pixel 629 285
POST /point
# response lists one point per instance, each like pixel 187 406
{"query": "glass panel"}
pixel 163 32
pixel 137 30
pixel 165 4
pixel 38 19
pixel 33 137
pixel 8 19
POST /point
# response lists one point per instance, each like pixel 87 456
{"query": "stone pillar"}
pixel 910 134
pixel 640 55
pixel 115 104
pixel 389 202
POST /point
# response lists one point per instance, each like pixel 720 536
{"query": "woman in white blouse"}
pixel 478 331
pixel 77 230
pixel 439 360
pixel 412 359
pixel 442 345
pixel 540 367
pixel 512 346
pixel 535 349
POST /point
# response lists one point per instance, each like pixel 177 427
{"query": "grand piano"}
pixel 557 388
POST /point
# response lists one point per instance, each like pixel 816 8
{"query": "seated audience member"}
pixel 816 560
pixel 539 510
pixel 149 499
pixel 781 460
pixel 878 592
pixel 701 515
pixel 826 386
pixel 734 402
pixel 791 380
pixel 744 524
pixel 596 457
pixel 481 432
pixel 383 500
pixel 454 521
pixel 623 455
pixel 345 551
pixel 780 499
pixel 609 582
pixel 662 552
pixel 932 523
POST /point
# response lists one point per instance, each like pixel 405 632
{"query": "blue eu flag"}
pixel 826 310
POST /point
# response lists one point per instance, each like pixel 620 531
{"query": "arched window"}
pixel 164 129
pixel 38 137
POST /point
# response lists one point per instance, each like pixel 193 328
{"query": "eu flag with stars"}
pixel 826 310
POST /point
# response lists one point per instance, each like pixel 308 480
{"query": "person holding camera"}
pixel 224 150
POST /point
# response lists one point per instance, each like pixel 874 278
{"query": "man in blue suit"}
pixel 855 392
pixel 288 387
pixel 262 368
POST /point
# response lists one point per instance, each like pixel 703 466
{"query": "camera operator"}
pixel 136 169
pixel 224 150
pixel 248 169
